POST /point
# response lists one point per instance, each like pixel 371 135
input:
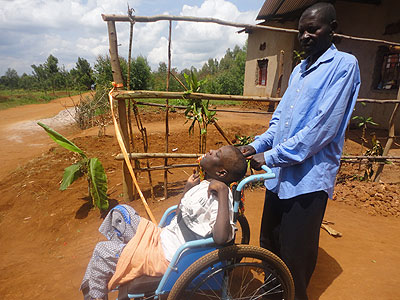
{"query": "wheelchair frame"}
pixel 190 252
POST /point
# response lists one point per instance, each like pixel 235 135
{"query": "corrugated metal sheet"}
pixel 281 9
pixel 275 9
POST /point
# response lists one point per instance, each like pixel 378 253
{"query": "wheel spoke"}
pixel 244 273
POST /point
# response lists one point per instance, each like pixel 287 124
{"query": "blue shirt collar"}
pixel 327 55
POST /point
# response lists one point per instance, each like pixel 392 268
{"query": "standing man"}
pixel 303 145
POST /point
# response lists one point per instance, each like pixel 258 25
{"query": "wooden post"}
pixel 166 114
pixel 391 136
pixel 271 106
pixel 117 77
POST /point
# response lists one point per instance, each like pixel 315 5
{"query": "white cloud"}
pixel 68 29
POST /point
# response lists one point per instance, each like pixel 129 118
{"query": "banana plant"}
pixel 363 122
pixel 197 110
pixel 89 167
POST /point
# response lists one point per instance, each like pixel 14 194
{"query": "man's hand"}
pixel 218 188
pixel 247 150
pixel 257 161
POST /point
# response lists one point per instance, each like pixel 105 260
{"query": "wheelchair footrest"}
pixel 141 285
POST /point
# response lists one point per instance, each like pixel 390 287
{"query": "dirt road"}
pixel 21 138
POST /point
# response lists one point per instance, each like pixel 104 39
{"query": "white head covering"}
pixel 120 224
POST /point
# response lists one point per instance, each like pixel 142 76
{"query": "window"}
pixel 387 69
pixel 262 71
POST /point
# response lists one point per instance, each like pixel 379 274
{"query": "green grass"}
pixel 13 98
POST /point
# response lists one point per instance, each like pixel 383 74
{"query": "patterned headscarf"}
pixel 120 224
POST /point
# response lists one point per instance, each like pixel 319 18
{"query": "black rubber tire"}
pixel 235 256
pixel 244 230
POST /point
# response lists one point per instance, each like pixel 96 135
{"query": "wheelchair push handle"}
pixel 256 177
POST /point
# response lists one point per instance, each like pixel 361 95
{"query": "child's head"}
pixel 227 164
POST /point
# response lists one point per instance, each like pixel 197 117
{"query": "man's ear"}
pixel 334 26
pixel 222 173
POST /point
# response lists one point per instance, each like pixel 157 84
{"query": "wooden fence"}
pixel 123 96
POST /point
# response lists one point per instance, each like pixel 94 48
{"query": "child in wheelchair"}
pixel 137 247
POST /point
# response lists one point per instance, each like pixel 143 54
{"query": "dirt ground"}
pixel 47 236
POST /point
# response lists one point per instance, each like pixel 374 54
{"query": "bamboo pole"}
pixel 127 185
pixel 162 167
pixel 167 113
pixel 123 18
pixel 222 132
pixel 370 157
pixel 280 74
pixel 194 155
pixel 158 155
pixel 390 139
pixel 143 133
pixel 211 109
pixel 128 87
pixel 139 94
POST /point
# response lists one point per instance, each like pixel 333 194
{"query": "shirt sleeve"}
pixel 321 129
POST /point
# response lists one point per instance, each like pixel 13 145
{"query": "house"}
pixel 271 55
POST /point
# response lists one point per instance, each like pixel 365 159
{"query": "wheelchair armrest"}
pixel 167 216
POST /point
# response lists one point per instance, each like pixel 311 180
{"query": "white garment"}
pixel 199 212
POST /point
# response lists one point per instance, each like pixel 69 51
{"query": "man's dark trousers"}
pixel 290 229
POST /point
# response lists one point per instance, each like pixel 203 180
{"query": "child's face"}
pixel 213 162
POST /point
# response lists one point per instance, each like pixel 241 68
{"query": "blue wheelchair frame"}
pixel 193 250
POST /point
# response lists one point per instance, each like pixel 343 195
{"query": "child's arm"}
pixel 222 227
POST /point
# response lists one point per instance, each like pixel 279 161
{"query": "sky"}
pixel 31 30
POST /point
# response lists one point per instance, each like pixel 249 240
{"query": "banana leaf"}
pixel 98 184
pixel 71 174
pixel 61 140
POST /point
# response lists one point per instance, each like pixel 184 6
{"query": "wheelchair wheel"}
pixel 236 272
pixel 243 233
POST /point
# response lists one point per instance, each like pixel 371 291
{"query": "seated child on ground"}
pixel 137 247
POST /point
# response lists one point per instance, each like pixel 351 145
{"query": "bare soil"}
pixel 47 236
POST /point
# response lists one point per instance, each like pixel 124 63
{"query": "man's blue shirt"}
pixel 304 141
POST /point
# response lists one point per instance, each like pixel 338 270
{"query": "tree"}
pixel 26 82
pixel 48 74
pixel 51 68
pixel 82 74
pixel 102 71
pixel 10 79
pixel 226 76
pixel 40 76
pixel 140 74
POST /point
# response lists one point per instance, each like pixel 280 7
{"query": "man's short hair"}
pixel 327 11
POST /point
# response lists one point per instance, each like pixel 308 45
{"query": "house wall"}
pixel 355 19
pixel 274 43
pixel 366 20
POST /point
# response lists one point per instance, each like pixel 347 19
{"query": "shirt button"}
pixel 287 123
pixel 291 106
pixel 284 140
pixel 297 90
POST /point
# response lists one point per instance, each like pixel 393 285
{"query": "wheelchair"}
pixel 200 269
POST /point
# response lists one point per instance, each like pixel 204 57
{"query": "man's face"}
pixel 314 33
